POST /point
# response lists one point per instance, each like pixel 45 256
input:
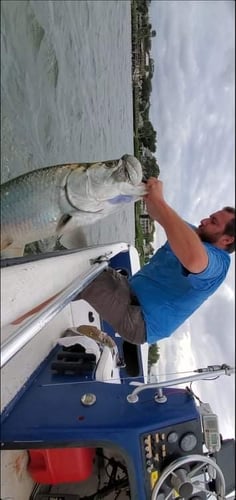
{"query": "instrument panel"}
pixel 161 447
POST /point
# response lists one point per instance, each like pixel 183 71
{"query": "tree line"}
pixel 146 135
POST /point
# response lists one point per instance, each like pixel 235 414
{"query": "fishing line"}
pixel 108 380
pixel 115 380
pixel 173 373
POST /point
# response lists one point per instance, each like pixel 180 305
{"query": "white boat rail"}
pixel 32 327
pixel 203 373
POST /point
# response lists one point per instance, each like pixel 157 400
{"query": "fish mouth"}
pixel 129 170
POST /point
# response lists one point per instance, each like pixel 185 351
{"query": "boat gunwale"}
pixel 14 261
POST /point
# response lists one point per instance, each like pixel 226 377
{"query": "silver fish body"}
pixel 53 200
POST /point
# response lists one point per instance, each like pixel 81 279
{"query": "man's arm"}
pixel 183 240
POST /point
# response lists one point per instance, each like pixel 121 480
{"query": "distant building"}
pixel 146 223
pixel 143 207
pixel 146 153
pixel 144 219
pixel 147 248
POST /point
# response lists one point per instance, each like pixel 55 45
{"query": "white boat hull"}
pixel 24 287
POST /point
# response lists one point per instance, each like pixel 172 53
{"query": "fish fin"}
pixel 12 250
pixel 5 243
pixel 63 221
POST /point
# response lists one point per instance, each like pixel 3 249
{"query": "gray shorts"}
pixel 110 294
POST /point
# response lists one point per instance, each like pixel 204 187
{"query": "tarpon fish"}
pixel 53 200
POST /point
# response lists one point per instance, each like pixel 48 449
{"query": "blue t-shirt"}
pixel 168 294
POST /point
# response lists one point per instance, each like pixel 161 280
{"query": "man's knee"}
pixel 133 328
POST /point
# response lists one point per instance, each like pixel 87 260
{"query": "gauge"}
pixel 172 437
pixel 188 442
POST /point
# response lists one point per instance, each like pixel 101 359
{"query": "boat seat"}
pixel 90 346
pixel 106 369
pixel 106 366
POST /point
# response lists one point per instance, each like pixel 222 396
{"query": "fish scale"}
pixel 44 188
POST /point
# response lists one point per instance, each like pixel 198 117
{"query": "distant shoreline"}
pixel 137 208
pixel 138 65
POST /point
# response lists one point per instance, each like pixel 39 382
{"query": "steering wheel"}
pixel 181 477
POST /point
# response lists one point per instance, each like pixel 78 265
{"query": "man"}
pixel 180 276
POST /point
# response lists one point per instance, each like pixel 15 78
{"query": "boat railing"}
pixel 209 372
pixel 26 332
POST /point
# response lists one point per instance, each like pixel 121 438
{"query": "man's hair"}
pixel 230 229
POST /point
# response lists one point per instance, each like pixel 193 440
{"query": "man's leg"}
pixel 111 296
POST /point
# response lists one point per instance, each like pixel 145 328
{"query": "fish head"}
pixel 93 188
pixel 127 177
pixel 129 169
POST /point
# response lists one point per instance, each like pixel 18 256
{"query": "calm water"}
pixel 67 92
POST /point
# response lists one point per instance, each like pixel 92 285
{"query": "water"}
pixel 66 97
pixel 67 92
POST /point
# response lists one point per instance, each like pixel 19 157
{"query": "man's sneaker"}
pixel 94 333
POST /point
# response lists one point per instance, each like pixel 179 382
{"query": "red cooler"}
pixel 61 465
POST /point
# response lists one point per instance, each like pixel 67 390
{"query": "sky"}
pixel 192 110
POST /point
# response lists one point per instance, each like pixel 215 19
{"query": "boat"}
pixel 79 419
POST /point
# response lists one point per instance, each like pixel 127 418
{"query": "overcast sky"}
pixel 192 110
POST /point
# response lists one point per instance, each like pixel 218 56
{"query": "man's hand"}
pixel 154 196
pixel 184 241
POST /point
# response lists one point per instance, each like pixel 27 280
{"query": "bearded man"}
pixel 180 276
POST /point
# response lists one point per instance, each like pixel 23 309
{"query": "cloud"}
pixel 192 110
pixel 192 103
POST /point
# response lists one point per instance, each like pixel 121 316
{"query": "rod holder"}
pixel 159 396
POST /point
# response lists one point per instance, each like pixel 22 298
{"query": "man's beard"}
pixel 208 238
